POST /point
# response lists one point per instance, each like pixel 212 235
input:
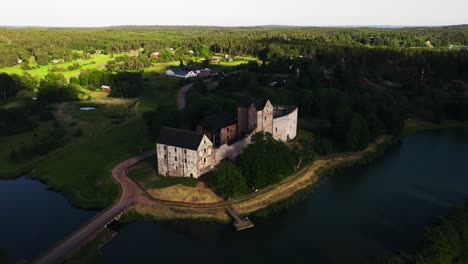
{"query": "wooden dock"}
pixel 239 223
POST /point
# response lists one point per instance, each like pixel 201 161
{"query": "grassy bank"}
pixel 415 126
pixel 82 171
pixel 90 252
pixel 363 160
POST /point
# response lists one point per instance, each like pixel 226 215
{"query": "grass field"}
pixel 113 132
pixel 160 91
pixel 69 117
pixel 83 171
pixel 98 59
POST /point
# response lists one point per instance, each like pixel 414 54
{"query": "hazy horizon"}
pixel 241 13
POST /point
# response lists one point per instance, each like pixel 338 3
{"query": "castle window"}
pixel 185 151
pixel 176 167
pixel 204 150
pixel 165 147
pixel 175 149
pixel 185 160
pixel 265 118
pixel 204 160
pixel 175 158
pixel 276 129
pixel 165 157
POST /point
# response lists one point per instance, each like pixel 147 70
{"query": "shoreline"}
pixel 272 195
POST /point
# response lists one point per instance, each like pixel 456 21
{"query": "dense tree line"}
pixel 264 162
pixel 45 45
pixel 446 242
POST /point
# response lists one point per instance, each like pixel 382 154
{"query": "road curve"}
pixel 130 194
pixel 181 95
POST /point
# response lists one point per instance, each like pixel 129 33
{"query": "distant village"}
pixel 184 153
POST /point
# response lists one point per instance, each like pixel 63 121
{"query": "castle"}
pixel 184 153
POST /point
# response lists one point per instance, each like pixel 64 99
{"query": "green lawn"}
pixel 42 71
pixel 159 91
pixel 162 67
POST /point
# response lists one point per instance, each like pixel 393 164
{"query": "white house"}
pixel 180 73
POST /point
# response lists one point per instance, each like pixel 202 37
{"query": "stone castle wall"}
pixel 285 127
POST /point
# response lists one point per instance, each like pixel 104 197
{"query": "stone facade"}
pixel 200 154
pixel 285 126
pixel 183 162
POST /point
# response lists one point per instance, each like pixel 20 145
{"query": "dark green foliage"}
pixel 126 84
pixel 46 116
pixel 323 146
pixel 229 181
pixel 13 157
pixel 14 121
pixel 266 161
pixel 78 132
pixel 159 117
pixel 2 255
pixel 54 88
pixel 446 242
pixel 357 135
pixel 11 85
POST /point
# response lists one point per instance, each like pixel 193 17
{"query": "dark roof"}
pixel 179 138
pixel 219 121
pixel 259 102
pixel 244 102
pixel 283 110
pixel 178 71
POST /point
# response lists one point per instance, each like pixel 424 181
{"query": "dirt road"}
pixel 181 95
pixel 130 194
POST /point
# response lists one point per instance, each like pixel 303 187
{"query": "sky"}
pixel 96 13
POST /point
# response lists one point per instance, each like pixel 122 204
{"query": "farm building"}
pixel 180 73
pixel 106 88
pixel 155 54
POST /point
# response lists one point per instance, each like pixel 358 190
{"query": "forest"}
pixel 43 45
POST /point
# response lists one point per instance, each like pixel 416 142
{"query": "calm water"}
pixel 33 218
pixel 351 217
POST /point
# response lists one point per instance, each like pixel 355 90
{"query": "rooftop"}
pixel 259 102
pixel 220 120
pixel 179 138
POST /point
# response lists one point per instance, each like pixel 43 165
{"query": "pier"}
pixel 239 223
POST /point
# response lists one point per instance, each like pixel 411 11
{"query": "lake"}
pixel 352 216
pixel 33 218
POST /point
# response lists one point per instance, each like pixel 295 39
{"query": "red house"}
pixel 106 88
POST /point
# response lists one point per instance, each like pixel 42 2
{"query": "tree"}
pixel 229 180
pixel 266 161
pixel 357 134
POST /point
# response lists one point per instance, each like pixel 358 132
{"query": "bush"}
pixel 229 181
pixel 46 116
pixel 78 132
pixel 13 157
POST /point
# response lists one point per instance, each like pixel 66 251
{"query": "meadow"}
pixel 96 61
